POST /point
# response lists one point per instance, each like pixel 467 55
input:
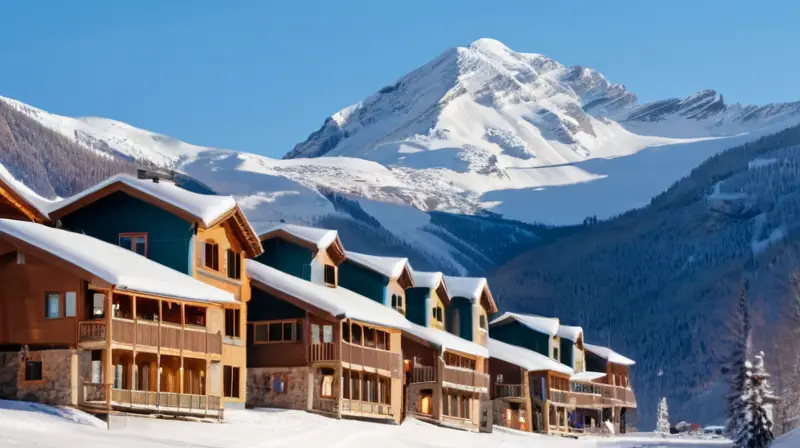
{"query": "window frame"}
pixel 234 260
pixel 234 373
pixel 59 310
pixel 133 236
pixel 296 326
pixel 237 321
pixel 40 371
pixel 326 270
pixel 214 264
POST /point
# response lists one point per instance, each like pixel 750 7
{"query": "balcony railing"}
pixel 324 404
pixel 621 395
pixel 465 377
pixel 365 407
pixel 96 395
pixel 146 333
pixel 508 390
pixel 423 374
pixel 371 357
pixel 323 352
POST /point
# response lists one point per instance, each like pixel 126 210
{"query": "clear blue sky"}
pixel 261 75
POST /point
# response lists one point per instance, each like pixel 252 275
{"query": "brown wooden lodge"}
pixel 137 296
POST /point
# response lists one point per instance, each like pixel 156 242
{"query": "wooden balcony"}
pixel 508 391
pixel 141 333
pixel 617 395
pixel 460 377
pixel 423 374
pixel 323 352
pixel 96 396
pixel 365 408
pixel 372 357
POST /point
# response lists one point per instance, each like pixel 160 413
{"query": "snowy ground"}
pixel 29 425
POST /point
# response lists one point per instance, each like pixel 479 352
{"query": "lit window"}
pixel 327 386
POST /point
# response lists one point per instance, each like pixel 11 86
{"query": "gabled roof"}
pixel 393 268
pixel 476 289
pixel 313 238
pixel 204 209
pixel 23 198
pixel 546 325
pixel 120 268
pixel 569 332
pixel 525 358
pixel 337 302
pixel 446 341
pixel 435 281
pixel 608 354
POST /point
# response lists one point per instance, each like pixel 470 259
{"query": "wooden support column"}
pixel 108 361
pixel 183 340
pixel 526 395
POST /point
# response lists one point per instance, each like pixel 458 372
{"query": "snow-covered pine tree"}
pixel 754 429
pixel 662 427
pixel 735 366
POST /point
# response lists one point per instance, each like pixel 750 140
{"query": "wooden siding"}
pixel 22 302
pixel 287 257
pixel 512 379
pixel 168 235
pixel 363 281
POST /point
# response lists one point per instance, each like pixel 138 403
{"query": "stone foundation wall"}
pixel 261 387
pixel 58 385
pixel 317 388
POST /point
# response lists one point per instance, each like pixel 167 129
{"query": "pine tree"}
pixel 754 422
pixel 734 368
pixel 662 427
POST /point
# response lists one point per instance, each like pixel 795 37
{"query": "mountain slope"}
pixel 660 283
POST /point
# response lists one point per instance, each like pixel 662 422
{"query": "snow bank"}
pixel 124 269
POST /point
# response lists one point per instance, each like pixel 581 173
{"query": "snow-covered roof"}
pixel 447 341
pixel 585 377
pixel 389 267
pixel 204 207
pixel 33 200
pixel 608 354
pixel 427 279
pixel 546 325
pixel 569 332
pixel 467 287
pixel 124 269
pixel 337 301
pixel 321 238
pixel 525 358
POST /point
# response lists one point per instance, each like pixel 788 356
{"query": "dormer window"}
pixel 555 353
pixel 482 322
pixel 211 255
pixel 330 275
pixel 397 302
pixel 438 314
pixel 234 264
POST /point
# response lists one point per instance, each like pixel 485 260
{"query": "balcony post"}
pixel 108 362
pixel 526 395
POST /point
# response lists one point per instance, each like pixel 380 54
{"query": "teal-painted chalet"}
pixel 382 279
pixel 535 333
pixel 308 253
pixel 471 303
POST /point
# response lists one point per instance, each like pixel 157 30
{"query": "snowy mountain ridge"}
pixel 479 128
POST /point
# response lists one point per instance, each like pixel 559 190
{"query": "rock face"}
pixel 58 385
pixel 262 390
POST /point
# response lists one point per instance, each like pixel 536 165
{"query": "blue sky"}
pixel 261 75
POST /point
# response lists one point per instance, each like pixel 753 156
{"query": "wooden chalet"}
pixel 382 279
pixel 19 202
pixel 87 323
pixel 204 236
pixel 528 389
pixel 471 303
pixel 322 348
pixel 305 252
pixel 446 376
pixel 614 386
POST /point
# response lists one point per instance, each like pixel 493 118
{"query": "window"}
pixel 69 305
pixel 53 305
pixel 555 353
pixel 232 323
pixel 482 321
pixel 33 370
pixel 231 378
pixel 327 334
pixel 315 334
pixel 499 378
pixel 279 331
pixel 394 301
pixel 136 242
pixel 234 264
pixel 278 383
pixel 326 384
pixel 397 302
pixel 330 275
pixel 465 407
pixel 211 255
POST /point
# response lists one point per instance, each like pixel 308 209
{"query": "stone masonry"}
pixel 56 386
pixel 261 391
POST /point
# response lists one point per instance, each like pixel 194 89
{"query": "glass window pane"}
pixel 288 331
pixel 315 334
pixel 52 306
pixel 261 333
pixel 275 332
pixel 298 326
pixel 327 333
pixel 69 307
pixel 125 242
pixel 141 245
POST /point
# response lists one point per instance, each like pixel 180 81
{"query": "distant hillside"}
pixel 659 283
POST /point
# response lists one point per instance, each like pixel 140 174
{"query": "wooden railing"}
pixel 147 333
pixel 166 401
pixel 95 394
pixel 365 407
pixel 423 374
pixel 465 377
pixel 371 357
pixel 617 393
pixel 91 331
pixel 323 352
pixel 507 390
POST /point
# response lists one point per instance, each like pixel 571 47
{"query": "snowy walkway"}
pixel 28 425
